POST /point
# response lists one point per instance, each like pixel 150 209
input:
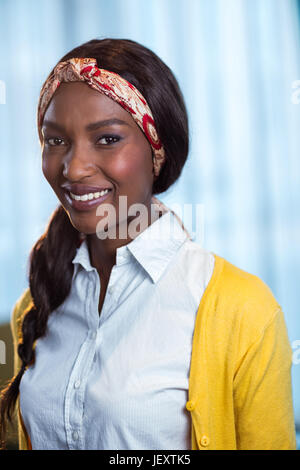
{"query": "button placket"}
pixel 92 334
pixel 74 402
pixel 75 394
pixel 92 300
pixel 77 384
pixel 71 412
pixel 112 285
pixel 110 290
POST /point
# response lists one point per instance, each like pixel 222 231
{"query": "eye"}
pixel 54 141
pixel 108 139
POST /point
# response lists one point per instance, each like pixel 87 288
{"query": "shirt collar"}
pixel 153 248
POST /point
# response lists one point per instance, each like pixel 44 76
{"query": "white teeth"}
pixel 89 196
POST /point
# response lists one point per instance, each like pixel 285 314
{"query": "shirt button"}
pixel 77 384
pixel 110 290
pixel 75 435
pixel 190 405
pixel 93 334
pixel 204 441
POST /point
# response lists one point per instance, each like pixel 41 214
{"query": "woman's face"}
pixel 91 143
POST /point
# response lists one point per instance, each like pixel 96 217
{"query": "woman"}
pixel 132 336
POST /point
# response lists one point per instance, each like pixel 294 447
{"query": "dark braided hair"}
pixel 51 268
pixel 50 276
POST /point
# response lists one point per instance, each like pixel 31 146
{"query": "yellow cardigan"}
pixel 240 394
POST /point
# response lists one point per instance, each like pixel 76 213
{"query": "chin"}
pixel 81 225
pixel 91 227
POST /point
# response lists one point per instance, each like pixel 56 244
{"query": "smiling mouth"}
pixel 89 196
pixel 88 201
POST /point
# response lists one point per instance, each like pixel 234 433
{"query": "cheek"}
pixel 49 169
pixel 134 165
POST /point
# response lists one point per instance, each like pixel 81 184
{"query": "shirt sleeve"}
pixel 263 402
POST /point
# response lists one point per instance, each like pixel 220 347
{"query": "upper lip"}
pixel 81 189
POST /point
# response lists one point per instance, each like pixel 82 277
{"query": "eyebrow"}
pixel 90 127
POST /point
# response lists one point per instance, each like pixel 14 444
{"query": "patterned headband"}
pixel 111 85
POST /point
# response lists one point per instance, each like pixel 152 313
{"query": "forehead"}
pixel 78 102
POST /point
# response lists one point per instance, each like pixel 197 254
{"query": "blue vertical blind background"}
pixel 236 61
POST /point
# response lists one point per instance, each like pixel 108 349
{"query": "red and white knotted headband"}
pixel 111 85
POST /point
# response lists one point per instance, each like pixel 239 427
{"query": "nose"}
pixel 78 164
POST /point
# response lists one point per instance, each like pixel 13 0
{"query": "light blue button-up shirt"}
pixel 120 380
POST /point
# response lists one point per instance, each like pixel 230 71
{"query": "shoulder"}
pixel 196 258
pixel 20 307
pixel 196 264
pixel 239 299
pixel 241 286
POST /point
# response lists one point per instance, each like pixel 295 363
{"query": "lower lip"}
pixel 86 205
